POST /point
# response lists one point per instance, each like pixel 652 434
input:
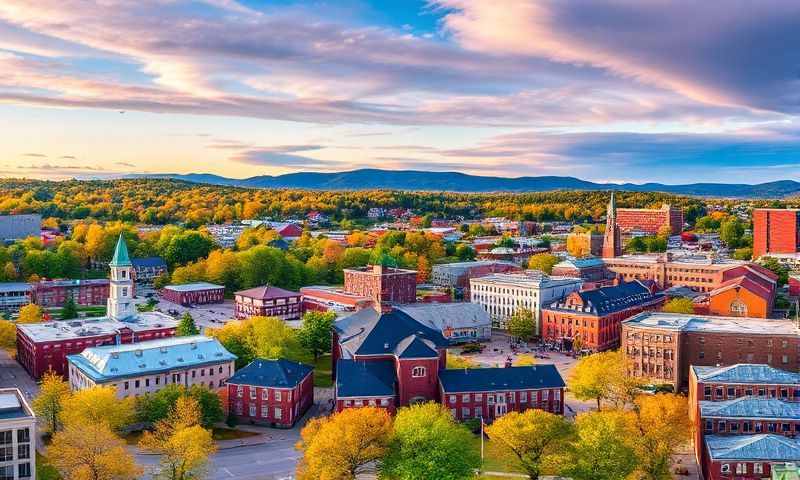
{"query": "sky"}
pixel 671 91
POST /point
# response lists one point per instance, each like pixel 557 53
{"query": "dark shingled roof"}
pixel 271 373
pixel 374 378
pixel 606 300
pixel 368 332
pixel 493 379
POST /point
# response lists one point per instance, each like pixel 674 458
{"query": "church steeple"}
pixel 612 241
pixel 120 304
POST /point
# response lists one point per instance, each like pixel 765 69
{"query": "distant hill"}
pixel 365 179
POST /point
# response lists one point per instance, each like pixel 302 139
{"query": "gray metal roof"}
pixel 193 287
pixel 454 315
pixel 708 323
pixel 745 373
pixel 765 447
pixel 751 407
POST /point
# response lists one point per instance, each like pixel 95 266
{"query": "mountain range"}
pixel 365 179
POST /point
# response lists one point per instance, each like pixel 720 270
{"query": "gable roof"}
pixel 368 332
pixel 443 315
pixel 776 448
pixel 413 346
pixel 374 378
pixel 121 257
pixel 606 300
pixel 751 407
pixel 746 373
pixel 743 282
pixel 280 373
pixel 494 379
pixel 266 292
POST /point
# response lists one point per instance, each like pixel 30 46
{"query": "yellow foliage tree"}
pixel 183 444
pixel 30 313
pixel 49 403
pixel 457 361
pixel 8 335
pixel 91 452
pixel 341 446
pixel 525 360
pixel 662 425
pixel 604 376
pixel 535 437
pixel 98 405
pixel 679 305
pixel 543 261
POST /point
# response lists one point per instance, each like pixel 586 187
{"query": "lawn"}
pixel 496 459
pixel 323 377
pixel 217 433
pixel 45 471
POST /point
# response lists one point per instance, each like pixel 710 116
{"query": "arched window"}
pixel 738 308
pixel 417 372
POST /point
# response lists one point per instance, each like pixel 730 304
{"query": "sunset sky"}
pixel 604 90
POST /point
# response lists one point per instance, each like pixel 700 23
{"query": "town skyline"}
pixel 650 93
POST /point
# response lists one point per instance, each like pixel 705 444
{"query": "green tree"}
pixel 187 247
pixel 744 253
pixel 187 327
pixel 315 333
pixel 427 443
pixel 535 437
pixel 776 267
pixel 679 305
pixel 69 310
pixel 543 261
pixel 636 244
pixel 154 407
pixel 601 448
pixel 521 324
pixel 731 231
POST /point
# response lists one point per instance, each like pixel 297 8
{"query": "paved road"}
pixel 13 375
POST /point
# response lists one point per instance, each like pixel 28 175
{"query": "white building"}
pixel 502 294
pixel 17 437
pixel 146 367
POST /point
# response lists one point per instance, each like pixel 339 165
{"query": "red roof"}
pixel 267 292
pixel 744 282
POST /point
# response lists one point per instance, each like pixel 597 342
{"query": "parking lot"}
pixel 211 315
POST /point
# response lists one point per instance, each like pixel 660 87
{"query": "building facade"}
pixel 199 293
pixel 147 269
pixel 268 301
pixel 502 294
pixel 147 367
pixel 742 297
pixel 457 275
pixel 271 392
pixel 660 347
pixel 650 221
pixel 53 293
pixel 591 319
pixel 459 322
pixel 382 284
pixel 775 231
pixel 14 295
pixel 17 227
pixel 590 269
pixel 325 299
pixel 17 436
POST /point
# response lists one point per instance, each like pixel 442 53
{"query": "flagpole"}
pixel 481 440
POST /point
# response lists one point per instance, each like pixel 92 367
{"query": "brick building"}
pixel 589 269
pixel 742 415
pixel 271 392
pixel 14 295
pixel 490 393
pixel 147 367
pixel 742 297
pixel 382 284
pixel 457 275
pixel 45 346
pixel 662 346
pixel 593 317
pixel 325 299
pixel 199 293
pixel 775 231
pixel 268 301
pixel 650 221
pixel 391 360
pixel 54 293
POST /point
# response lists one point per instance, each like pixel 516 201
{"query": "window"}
pixel 278 413
pixel 252 393
pixel 6 437
pixel 23 451
pixel 136 383
pixel 452 398
pixel 465 412
pixel 709 426
pixel 264 394
pixel 384 402
pixel 239 391
pixel 7 472
pixel 523 397
pixel 545 395
pixel 741 468
pixel 758 468
pixel 264 411
pixel 24 470
pixel 725 468
pixel 465 398
pixel 277 396
pixel 126 385
pixel 731 392
pixel 6 454
pixel 418 372
pixel 252 410
pixel 23 435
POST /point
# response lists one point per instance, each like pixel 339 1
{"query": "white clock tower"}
pixel 120 300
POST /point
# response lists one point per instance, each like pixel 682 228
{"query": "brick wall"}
pixel 775 231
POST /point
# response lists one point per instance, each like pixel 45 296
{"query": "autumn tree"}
pixel 427 443
pixel 258 337
pixel 182 443
pixel 54 391
pixel 315 333
pixel 661 425
pixel 99 405
pixel 543 261
pixel 603 377
pixel 345 444
pixel 601 448
pixel 524 360
pixel 679 305
pixel 30 313
pixel 535 437
pixel 458 361
pixel 91 452
pixel 521 324
pixel 154 407
pixel 187 327
pixel 8 335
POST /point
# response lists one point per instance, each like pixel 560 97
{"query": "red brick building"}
pixel 745 418
pixel 53 293
pixel 382 284
pixel 593 317
pixel 661 347
pixel 325 299
pixel 271 392
pixel 775 231
pixel 650 221
pixel 199 293
pixel 45 346
pixel 268 301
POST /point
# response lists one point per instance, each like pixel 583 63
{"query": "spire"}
pixel 121 257
pixel 612 206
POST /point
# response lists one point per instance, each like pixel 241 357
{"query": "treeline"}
pixel 163 201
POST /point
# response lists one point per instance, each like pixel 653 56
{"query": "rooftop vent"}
pixel 193 345
pixel 163 349
pixel 114 354
pixel 138 353
pixel 180 359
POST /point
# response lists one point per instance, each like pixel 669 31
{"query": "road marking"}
pixel 228 472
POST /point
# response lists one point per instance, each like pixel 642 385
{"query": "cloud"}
pixel 125 164
pixel 68 157
pixel 721 53
pixel 35 155
pixel 282 156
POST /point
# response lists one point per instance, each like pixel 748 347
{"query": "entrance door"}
pixel 500 406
